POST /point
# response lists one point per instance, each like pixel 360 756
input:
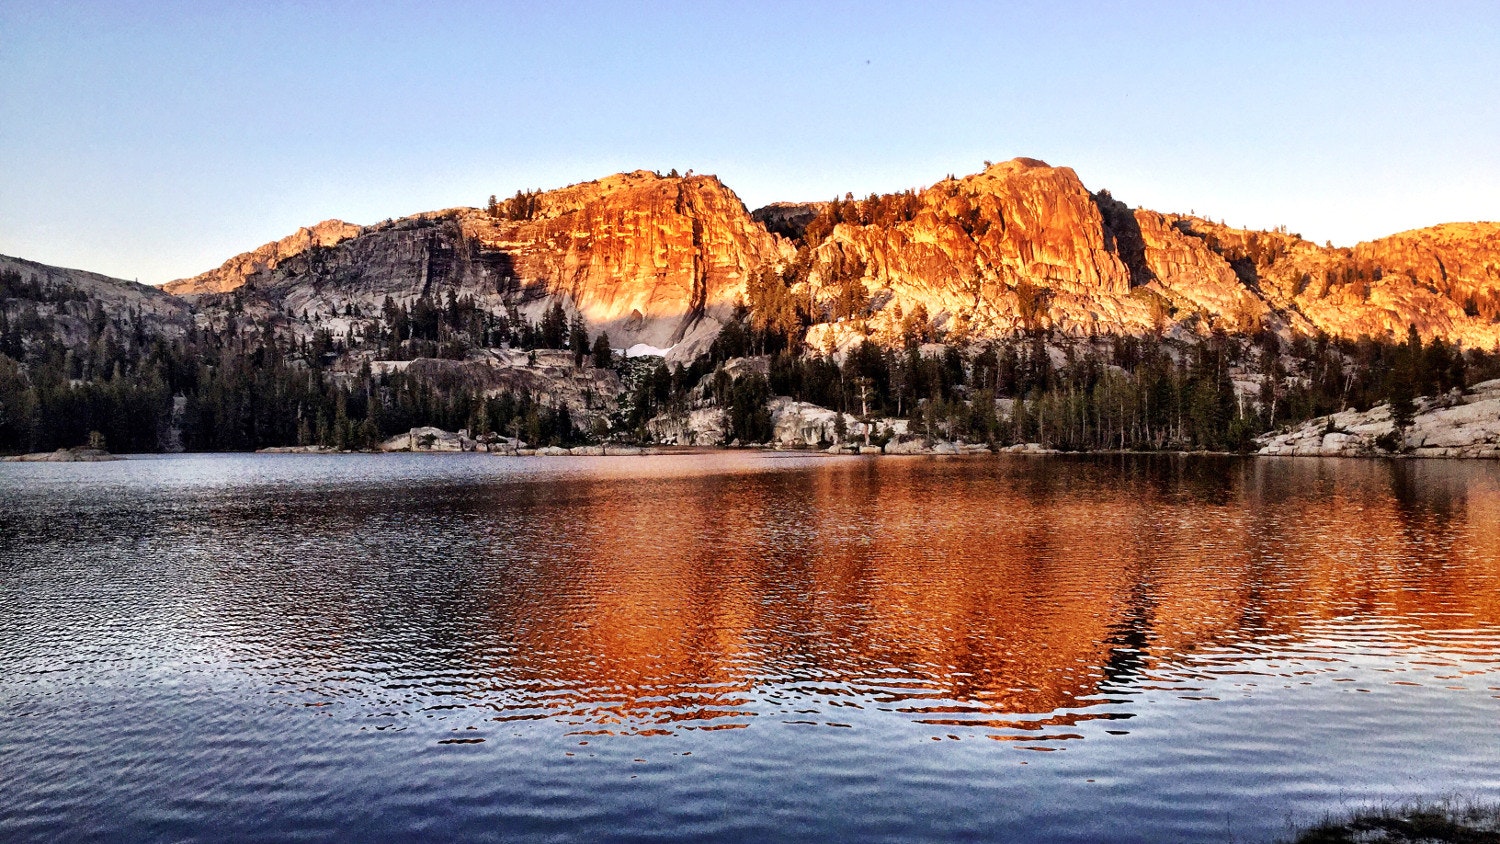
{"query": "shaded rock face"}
pixel 64 300
pixel 548 376
pixel 233 273
pixel 787 219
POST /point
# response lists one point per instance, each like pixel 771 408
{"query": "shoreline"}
pixel 66 455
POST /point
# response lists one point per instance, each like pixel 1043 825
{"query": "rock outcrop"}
pixel 76 307
pixel 429 439
pixel 1018 245
pixel 800 424
pixel 1459 261
pixel 1025 245
pixel 1443 280
pixel 645 257
pixel 788 219
pixel 63 455
pixel 1455 425
pixel 548 376
pixel 235 271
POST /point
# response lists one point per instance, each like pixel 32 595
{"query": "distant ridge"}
pixel 662 259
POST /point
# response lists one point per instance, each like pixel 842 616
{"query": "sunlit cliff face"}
pixel 649 259
pixel 971 252
pixel 638 246
pixel 666 259
pixel 1002 601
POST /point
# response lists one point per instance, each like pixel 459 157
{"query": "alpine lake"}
pixel 741 646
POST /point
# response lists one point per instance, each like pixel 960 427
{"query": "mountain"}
pixel 648 258
pixel 234 272
pixel 1026 245
pixel 1014 307
pixel 73 352
pixel 42 304
pixel 1021 245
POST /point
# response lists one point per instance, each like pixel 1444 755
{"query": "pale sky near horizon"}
pixel 155 140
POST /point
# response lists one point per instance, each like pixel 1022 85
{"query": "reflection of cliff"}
pixel 1026 596
pixel 985 595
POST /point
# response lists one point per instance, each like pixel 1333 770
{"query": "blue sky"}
pixel 154 140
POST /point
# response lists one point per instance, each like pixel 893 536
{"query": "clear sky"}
pixel 154 140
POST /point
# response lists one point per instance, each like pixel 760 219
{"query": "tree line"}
pixel 248 385
pixel 1135 393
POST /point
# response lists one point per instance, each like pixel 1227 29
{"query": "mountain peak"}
pixel 232 273
pixel 1016 165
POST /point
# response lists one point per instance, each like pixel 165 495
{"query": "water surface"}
pixel 740 646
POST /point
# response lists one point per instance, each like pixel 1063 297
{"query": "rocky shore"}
pixel 1459 424
pixel 430 439
pixel 436 440
pixel 81 454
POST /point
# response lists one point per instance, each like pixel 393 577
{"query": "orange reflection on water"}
pixel 980 593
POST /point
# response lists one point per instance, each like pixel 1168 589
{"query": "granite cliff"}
pixel 234 272
pixel 1024 245
pixel 74 308
pixel 651 259
pixel 665 260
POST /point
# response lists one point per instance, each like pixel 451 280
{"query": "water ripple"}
pixel 737 647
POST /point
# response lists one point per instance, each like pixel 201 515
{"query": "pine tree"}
pixel 604 356
pixel 578 340
pixel 554 326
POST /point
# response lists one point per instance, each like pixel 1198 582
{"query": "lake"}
pixel 740 646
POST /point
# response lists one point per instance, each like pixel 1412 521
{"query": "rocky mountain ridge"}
pixel 665 260
pixel 74 306
pixel 233 273
pixel 1025 245
pixel 650 259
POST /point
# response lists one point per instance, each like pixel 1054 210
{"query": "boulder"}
pixel 81 454
pixel 1028 448
pixel 1337 444
pixel 429 439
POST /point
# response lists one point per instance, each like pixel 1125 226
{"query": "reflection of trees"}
pixel 962 593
